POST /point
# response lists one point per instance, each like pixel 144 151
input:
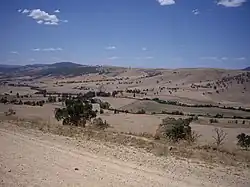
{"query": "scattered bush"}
pixel 101 111
pixel 178 113
pixel 193 137
pixel 89 95
pixel 213 121
pixel 52 99
pixel 219 137
pixel 218 116
pixel 142 111
pixel 100 124
pixel 244 140
pixel 10 112
pixel 104 105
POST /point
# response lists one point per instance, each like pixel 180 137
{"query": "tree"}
pixel 102 88
pixel 104 105
pixel 219 137
pixel 244 140
pixel 52 99
pixel 75 113
pixel 175 129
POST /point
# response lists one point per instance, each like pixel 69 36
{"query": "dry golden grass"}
pixel 182 150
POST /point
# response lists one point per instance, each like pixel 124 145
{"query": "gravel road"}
pixel 31 158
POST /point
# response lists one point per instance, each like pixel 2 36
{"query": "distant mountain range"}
pixel 247 69
pixel 56 69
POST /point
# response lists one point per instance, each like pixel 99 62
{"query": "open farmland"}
pixel 133 104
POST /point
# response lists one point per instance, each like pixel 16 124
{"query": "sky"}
pixel 136 33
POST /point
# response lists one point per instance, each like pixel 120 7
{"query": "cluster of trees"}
pixel 197 105
pixel 20 102
pixel 76 112
pixel 88 81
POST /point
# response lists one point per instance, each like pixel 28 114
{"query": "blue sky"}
pixel 137 33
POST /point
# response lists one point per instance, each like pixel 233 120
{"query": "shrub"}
pixel 89 95
pixel 213 121
pixel 142 111
pixel 51 99
pixel 175 129
pixel 101 111
pixel 178 113
pixel 218 116
pixel 104 105
pixel 244 140
pixel 10 112
pixel 219 137
pixel 100 124
pixel 164 112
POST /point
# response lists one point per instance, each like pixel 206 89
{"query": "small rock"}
pixel 9 170
pixel 76 169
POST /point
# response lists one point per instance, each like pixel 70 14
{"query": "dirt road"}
pixel 36 159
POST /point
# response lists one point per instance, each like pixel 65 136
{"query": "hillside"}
pixel 39 70
pixel 247 69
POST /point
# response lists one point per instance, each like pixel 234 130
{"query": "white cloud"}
pixel 64 21
pixel 25 11
pixel 219 59
pixel 144 49
pixel 48 19
pixel 40 21
pixel 48 49
pixel 50 23
pixel 42 17
pixel 166 2
pixel 111 48
pixel 195 11
pixel 240 58
pixel 113 58
pixel 14 52
pixel 144 58
pixel 231 3
pixel 213 58
pixel 31 59
pixel 36 49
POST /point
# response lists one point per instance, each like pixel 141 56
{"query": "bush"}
pixel 213 121
pixel 142 111
pixel 219 137
pixel 178 113
pixel 10 112
pixel 104 105
pixel 244 140
pixel 175 129
pixel 89 95
pixel 100 124
pixel 101 111
pixel 218 116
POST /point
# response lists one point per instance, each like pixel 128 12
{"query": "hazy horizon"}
pixel 142 33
